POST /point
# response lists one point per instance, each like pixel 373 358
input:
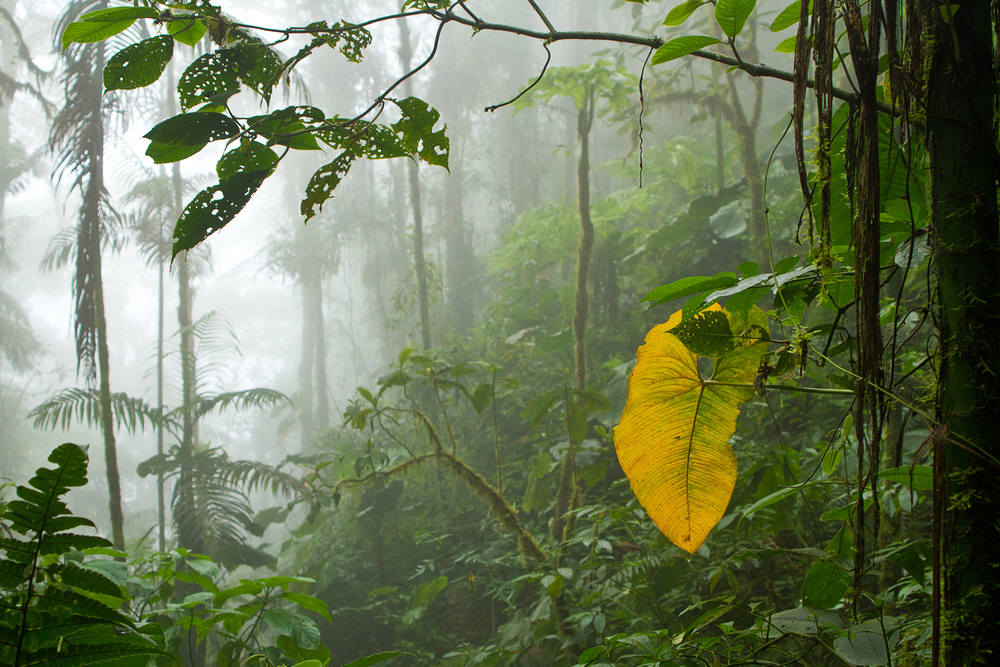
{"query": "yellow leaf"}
pixel 673 437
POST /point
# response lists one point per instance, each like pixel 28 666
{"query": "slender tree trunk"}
pixel 460 273
pixel 419 259
pixel 307 280
pixel 321 390
pixel 967 253
pixel 565 496
pixel 89 279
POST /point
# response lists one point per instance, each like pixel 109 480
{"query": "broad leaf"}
pixel 139 64
pixel 673 437
pixel 681 12
pixel 417 135
pixel 732 15
pixel 788 17
pixel 681 46
pixel 324 182
pixel 215 207
pixel 688 286
pixel 193 129
pixel 187 29
pixel 210 75
pixel 104 23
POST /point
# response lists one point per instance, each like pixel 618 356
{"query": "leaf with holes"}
pixel 208 76
pixel 215 207
pixel 673 437
pixel 139 64
pixel 291 126
pixel 324 182
pixel 364 139
pixel 193 129
pixel 257 65
pixel 416 132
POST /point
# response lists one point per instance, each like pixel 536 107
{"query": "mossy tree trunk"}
pixel 963 159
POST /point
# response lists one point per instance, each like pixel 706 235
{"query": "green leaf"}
pixel 482 396
pixel 104 23
pixel 139 64
pixel 250 156
pixel 324 182
pixel 867 643
pixel 193 129
pixel 786 45
pixel 917 477
pixel 187 29
pixel 732 15
pixel 681 46
pixel 788 17
pixel 688 286
pixel 311 603
pixel 373 659
pixel 165 153
pixel 257 65
pixel 210 75
pixel 215 207
pixel 364 139
pixel 289 127
pixel 776 497
pixel 826 582
pixel 707 334
pixel 681 12
pixel 417 135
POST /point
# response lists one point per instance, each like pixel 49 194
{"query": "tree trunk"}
pixel 567 481
pixel 419 260
pixel 308 276
pixel 967 257
pixel 460 271
pixel 90 285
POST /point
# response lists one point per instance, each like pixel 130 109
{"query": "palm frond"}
pixel 259 398
pixel 213 516
pixel 254 475
pixel 17 341
pixel 82 406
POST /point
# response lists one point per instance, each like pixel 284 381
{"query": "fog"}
pixel 504 165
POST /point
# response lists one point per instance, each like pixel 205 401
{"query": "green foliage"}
pixel 57 607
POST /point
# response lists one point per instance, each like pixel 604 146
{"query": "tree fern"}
pixel 53 610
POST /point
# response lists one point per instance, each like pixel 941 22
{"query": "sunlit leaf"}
pixel 673 437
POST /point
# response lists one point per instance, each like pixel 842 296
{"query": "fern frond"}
pixel 47 614
pixel 253 475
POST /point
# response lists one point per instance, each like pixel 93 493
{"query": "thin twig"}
pixel 534 83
